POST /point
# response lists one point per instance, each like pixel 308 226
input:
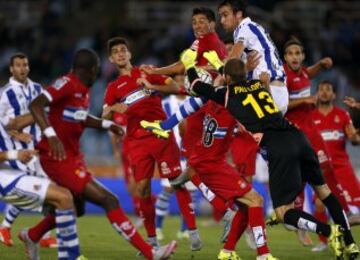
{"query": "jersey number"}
pixel 270 107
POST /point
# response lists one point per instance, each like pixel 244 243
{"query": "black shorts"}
pixel 292 161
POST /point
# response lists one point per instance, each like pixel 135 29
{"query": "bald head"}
pixel 85 59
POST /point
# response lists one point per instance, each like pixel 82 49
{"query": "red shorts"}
pixel 146 151
pixel 243 151
pixel 222 179
pixel 349 184
pixel 70 173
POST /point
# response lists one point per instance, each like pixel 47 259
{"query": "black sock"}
pixel 339 217
pixel 305 221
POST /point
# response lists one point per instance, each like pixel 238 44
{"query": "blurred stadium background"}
pixel 50 31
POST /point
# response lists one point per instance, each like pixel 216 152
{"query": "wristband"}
pixel 49 132
pixel 106 124
pixel 12 155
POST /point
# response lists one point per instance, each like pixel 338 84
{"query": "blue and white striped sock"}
pixel 11 213
pixel 189 106
pixel 161 207
pixel 67 232
pixel 62 251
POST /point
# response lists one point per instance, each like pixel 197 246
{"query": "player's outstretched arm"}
pixel 20 122
pixel 170 86
pixel 37 109
pixel 21 155
pixel 352 134
pixel 324 63
pixel 95 122
pixel 293 103
pixel 173 69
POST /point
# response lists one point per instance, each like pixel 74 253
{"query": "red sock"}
pixel 186 207
pixel 136 204
pixel 124 227
pixel 332 183
pixel 218 204
pixel 238 227
pixel 46 224
pixel 257 225
pixel 321 215
pixel 147 212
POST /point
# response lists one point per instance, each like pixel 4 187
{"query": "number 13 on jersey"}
pixel 270 106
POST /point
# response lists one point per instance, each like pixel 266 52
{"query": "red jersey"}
pixel 69 102
pixel 299 86
pixel 143 104
pixel 210 41
pixel 207 42
pixel 217 133
pixel 332 129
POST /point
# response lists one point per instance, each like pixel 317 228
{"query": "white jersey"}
pixel 255 38
pixel 15 99
pixel 16 186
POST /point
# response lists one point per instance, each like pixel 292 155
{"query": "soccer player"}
pixel 292 161
pixel 60 155
pixel 14 101
pixel 144 148
pixel 335 127
pixel 28 192
pixel 250 36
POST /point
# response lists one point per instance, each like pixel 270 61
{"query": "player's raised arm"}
pixel 172 69
pixel 170 86
pixel 324 63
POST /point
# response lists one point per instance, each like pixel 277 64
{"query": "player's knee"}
pixel 280 213
pixel 256 200
pixel 64 199
pixel 110 202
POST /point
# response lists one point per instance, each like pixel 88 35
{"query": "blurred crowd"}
pixel 49 31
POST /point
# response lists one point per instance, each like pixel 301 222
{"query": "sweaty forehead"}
pixel 199 17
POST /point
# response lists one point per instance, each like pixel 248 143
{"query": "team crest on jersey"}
pixel 165 168
pixel 195 45
pixel 337 119
pixel 59 83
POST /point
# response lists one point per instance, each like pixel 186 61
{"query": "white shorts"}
pixel 280 96
pixel 23 191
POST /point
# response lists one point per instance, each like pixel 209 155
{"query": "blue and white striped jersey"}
pixel 256 38
pixel 15 99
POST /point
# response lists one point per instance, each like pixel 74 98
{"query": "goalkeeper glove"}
pixel 214 59
pixel 188 58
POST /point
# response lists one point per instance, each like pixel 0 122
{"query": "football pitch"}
pixel 99 241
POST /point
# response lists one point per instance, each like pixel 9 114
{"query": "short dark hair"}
pixel 116 41
pixel 325 81
pixel 293 41
pixel 236 5
pixel 229 40
pixel 210 15
pixel 236 69
pixel 85 59
pixel 18 55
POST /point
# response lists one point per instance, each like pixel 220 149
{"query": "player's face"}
pixel 201 25
pixel 294 57
pixel 228 19
pixel 20 69
pixel 325 93
pixel 120 55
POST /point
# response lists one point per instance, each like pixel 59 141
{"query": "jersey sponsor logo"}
pixel 304 92
pixel 59 83
pixel 75 114
pixel 322 157
pixel 244 89
pixel 164 168
pixel 136 96
pixel 332 135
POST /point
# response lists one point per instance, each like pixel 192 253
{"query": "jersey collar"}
pixel 245 20
pixel 14 82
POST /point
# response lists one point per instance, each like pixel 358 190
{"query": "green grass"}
pixel 99 241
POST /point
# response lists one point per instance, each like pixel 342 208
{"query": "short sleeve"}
pixel 243 35
pixel 157 79
pixel 110 97
pixel 60 89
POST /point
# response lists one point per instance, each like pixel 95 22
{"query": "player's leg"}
pixel 320 214
pixel 10 214
pixel 162 128
pixel 162 206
